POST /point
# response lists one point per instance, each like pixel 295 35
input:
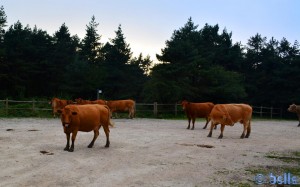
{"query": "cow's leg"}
pixel 96 134
pixel 211 128
pixel 248 130
pixel 68 142
pixel 189 119
pixel 222 129
pixel 207 120
pixel 131 112
pixel 244 131
pixel 73 140
pixel 193 120
pixel 299 124
pixel 106 130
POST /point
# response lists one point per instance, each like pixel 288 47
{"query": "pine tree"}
pixel 3 63
pixel 91 46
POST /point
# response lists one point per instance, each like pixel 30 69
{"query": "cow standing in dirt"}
pixel 58 104
pixel 229 114
pixel 85 118
pixel 197 110
pixel 122 106
pixel 295 109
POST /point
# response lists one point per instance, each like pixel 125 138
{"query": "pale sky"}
pixel 147 24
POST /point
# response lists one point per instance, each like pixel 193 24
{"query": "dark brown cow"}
pixel 197 110
pixel 295 109
pixel 229 114
pixel 85 118
pixel 58 104
pixel 122 106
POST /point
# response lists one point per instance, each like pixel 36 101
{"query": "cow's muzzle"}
pixel 66 125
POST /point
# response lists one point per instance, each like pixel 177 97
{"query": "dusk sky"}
pixel 147 24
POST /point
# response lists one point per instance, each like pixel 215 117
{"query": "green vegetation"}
pixel 197 64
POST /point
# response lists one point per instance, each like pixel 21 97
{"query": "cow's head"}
pixel 184 103
pixel 292 108
pixel 66 116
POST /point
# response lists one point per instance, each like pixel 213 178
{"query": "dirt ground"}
pixel 143 152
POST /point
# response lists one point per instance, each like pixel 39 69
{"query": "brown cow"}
pixel 85 118
pixel 197 110
pixel 122 106
pixel 58 104
pixel 229 114
pixel 295 109
pixel 80 101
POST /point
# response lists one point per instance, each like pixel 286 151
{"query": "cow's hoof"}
pixel 90 146
pixel 220 137
pixel 242 136
pixel 209 135
pixel 66 149
pixel 107 145
pixel 299 125
pixel 71 150
pixel 204 127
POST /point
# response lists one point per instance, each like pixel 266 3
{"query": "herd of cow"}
pixel 86 116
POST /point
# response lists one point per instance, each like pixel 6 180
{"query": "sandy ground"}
pixel 143 152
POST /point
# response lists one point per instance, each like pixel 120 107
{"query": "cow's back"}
pixel 117 105
pixel 199 109
pixel 231 113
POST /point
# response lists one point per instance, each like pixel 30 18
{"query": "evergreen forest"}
pixel 196 64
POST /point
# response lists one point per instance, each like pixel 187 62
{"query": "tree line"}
pixel 195 64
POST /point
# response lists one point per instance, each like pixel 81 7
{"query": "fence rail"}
pixel 152 109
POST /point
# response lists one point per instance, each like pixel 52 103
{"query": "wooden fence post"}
pixel 33 105
pixel 271 112
pixel 6 106
pixel 155 109
pixel 260 111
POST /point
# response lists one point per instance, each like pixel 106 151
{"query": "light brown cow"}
pixel 295 109
pixel 58 104
pixel 122 106
pixel 85 118
pixel 197 110
pixel 229 114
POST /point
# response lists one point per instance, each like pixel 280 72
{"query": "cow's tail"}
pixel 110 123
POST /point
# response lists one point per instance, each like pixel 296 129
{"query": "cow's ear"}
pixel 74 113
pixel 59 111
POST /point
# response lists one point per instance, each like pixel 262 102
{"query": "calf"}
pixel 197 110
pixel 85 118
pixel 229 114
pixel 295 109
